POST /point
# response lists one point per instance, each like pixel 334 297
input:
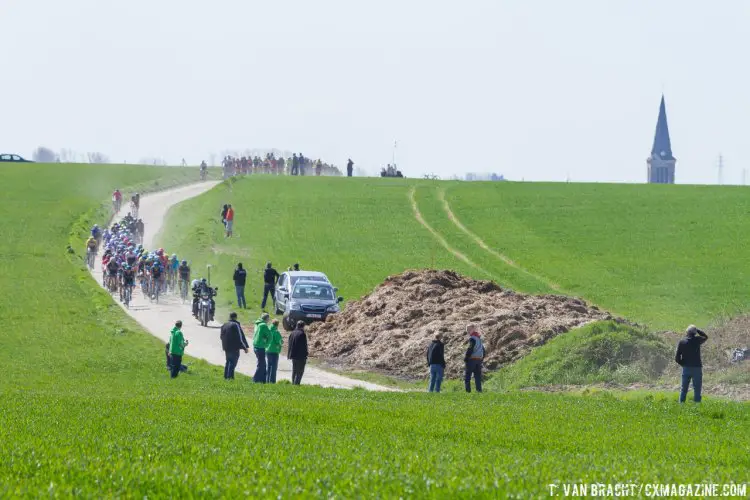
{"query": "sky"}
pixel 535 90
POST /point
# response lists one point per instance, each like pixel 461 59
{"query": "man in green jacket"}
pixel 272 352
pixel 177 345
pixel 261 337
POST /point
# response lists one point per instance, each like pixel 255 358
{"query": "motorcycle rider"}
pixel 199 289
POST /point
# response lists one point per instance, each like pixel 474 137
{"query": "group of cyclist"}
pixel 125 262
pixel 135 202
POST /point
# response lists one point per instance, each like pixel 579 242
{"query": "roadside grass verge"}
pixel 598 352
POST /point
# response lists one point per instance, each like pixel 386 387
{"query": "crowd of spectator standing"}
pixel 297 164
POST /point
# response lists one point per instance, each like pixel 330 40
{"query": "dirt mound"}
pixel 390 329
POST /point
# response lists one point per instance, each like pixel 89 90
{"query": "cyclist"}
pixel 111 269
pixel 157 274
pixel 128 278
pixel 91 248
pixel 116 199
pixel 184 274
pixel 96 233
pixel 172 267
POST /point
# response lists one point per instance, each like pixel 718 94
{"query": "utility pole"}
pixel 721 168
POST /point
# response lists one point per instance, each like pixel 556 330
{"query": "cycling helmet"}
pixel 96 226
pixel 126 267
pixel 160 252
pixel 184 263
pixel 174 256
pixel 203 280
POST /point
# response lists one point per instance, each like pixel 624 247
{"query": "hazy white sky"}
pixel 532 89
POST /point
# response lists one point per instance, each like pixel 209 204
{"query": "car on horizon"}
pixel 286 283
pixel 10 158
pixel 311 301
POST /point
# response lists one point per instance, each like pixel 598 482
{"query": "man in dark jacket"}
pixel 473 358
pixel 298 352
pixel 270 277
pixel 688 356
pixel 232 341
pixel 240 275
pixel 224 211
pixel 436 362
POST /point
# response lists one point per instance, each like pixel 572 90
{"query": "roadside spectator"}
pixel 232 341
pixel 177 344
pixel 261 337
pixel 349 168
pixel 295 267
pixel 436 362
pixel 230 220
pixel 473 358
pixel 240 275
pixel 224 214
pixel 295 164
pixel 688 356
pixel 272 352
pixel 298 352
pixel 270 277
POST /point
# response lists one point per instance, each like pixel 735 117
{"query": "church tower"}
pixel 661 163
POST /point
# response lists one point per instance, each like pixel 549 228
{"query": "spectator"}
pixel 436 362
pixel 473 358
pixel 349 168
pixel 688 356
pixel 272 352
pixel 298 352
pixel 230 220
pixel 240 275
pixel 232 341
pixel 295 267
pixel 224 214
pixel 177 344
pixel 261 338
pixel 270 277
pixel 295 164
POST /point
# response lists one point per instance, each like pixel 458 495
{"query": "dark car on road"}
pixel 13 159
pixel 310 301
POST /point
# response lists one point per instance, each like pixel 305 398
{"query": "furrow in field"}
pixel 418 216
pixel 484 246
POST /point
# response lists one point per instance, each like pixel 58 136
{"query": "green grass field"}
pixel 87 408
pixel 665 256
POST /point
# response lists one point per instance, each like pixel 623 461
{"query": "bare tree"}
pixel 98 158
pixel 44 155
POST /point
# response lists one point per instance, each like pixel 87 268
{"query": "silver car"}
pixel 286 283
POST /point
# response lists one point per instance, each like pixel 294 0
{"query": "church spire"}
pixel 662 148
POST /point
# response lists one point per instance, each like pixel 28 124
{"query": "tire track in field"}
pixel 484 246
pixel 460 256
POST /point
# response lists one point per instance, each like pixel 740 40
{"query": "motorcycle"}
pixel 204 307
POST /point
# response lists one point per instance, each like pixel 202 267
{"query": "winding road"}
pixel 205 344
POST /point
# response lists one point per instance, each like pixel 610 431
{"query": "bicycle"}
pixel 128 295
pixel 90 257
pixel 183 290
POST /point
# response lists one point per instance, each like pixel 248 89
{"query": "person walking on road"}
pixel 261 338
pixel 688 356
pixel 436 362
pixel 298 352
pixel 270 277
pixel 272 352
pixel 232 341
pixel 230 220
pixel 473 359
pixel 240 275
pixel 177 344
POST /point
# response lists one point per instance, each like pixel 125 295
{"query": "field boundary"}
pixel 439 237
pixel 484 246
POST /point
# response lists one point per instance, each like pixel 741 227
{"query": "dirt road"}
pixel 159 318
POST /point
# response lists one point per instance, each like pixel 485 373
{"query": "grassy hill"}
pixel 87 409
pixel 666 256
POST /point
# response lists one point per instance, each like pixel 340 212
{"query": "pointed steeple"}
pixel 662 148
